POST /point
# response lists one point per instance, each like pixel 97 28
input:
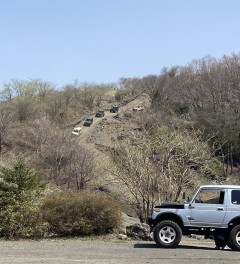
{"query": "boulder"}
pixel 140 231
pixel 127 220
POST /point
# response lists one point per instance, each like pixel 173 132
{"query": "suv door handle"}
pixel 220 209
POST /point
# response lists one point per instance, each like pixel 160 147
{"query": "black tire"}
pixel 219 242
pixel 234 238
pixel 167 234
pixel 227 241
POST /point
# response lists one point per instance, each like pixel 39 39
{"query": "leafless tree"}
pixel 43 89
pixel 6 120
pixel 134 169
pixel 81 169
pixel 132 85
pixel 211 88
pixel 182 158
pixel 161 88
pixel 24 109
pixel 162 165
pixel 7 93
pixel 58 157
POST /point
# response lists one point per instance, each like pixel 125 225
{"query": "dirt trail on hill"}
pixel 105 131
pixel 104 128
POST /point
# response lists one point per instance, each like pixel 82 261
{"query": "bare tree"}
pixel 132 85
pixel 212 90
pixel 43 89
pixel 162 165
pixel 81 169
pixel 182 157
pixel 56 156
pixel 6 120
pixel 7 93
pixel 88 95
pixel 135 170
pixel 38 135
pixel 161 88
pixel 24 109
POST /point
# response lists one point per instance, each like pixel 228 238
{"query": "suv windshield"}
pixel 235 197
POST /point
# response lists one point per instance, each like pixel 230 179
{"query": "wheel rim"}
pixel 168 234
pixel 238 238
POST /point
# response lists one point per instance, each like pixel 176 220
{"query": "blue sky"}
pixel 103 40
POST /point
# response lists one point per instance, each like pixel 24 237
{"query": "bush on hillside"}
pixel 121 94
pixel 20 192
pixel 79 213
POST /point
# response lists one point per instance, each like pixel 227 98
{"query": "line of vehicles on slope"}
pixel 89 120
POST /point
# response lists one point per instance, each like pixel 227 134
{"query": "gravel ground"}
pixel 112 252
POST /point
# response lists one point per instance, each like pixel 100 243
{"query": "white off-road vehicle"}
pixel 213 211
pixel 76 131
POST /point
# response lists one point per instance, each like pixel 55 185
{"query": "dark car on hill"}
pixel 114 109
pixel 88 121
pixel 100 113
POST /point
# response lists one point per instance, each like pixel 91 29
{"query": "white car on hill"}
pixel 76 131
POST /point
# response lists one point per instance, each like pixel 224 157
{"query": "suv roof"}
pixel 223 186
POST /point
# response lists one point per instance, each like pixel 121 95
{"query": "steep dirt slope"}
pixel 104 132
pixel 112 125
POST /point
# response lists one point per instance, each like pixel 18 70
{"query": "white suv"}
pixel 213 211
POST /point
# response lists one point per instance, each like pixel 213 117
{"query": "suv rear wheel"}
pixel 234 238
pixel 167 234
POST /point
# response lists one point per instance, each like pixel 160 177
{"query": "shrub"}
pixel 121 94
pixel 20 192
pixel 79 213
pixel 21 220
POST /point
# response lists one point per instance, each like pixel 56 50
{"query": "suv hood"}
pixel 171 205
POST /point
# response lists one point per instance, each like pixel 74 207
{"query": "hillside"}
pixel 113 125
pixel 190 122
pixel 102 136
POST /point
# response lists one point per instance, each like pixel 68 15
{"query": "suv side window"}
pixel 210 196
pixel 235 198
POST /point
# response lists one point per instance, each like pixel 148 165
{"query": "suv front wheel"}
pixel 167 234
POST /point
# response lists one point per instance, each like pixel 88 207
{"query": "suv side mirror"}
pixel 187 199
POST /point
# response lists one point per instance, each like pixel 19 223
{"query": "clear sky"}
pixel 103 40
